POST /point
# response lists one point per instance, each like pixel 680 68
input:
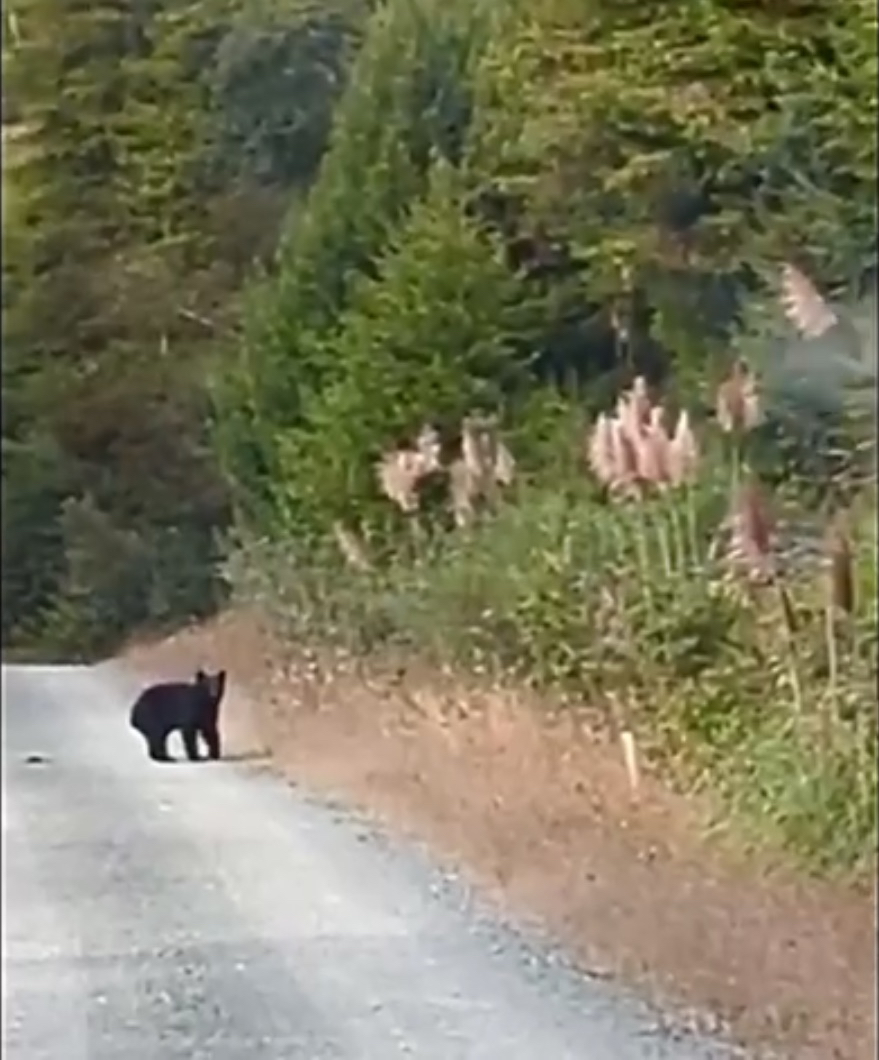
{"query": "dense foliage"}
pixel 253 251
pixel 143 176
pixel 622 164
pixel 527 207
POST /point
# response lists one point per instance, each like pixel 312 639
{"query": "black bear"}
pixel 193 707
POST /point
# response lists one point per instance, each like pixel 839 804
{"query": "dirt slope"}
pixel 540 813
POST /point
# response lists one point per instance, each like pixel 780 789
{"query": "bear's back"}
pixel 170 705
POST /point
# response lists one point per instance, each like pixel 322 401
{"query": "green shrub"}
pixel 743 686
pixel 596 192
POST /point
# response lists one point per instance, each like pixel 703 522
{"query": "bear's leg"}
pixel 190 742
pixel 211 734
pixel 158 747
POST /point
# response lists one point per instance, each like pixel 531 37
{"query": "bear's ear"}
pixel 220 682
pixel 200 676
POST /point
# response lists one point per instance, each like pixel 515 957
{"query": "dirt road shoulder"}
pixel 540 813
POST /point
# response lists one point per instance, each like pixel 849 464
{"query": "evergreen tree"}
pixel 408 97
pixel 438 332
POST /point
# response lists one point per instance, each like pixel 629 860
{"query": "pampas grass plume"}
pixel 803 304
pixel 683 452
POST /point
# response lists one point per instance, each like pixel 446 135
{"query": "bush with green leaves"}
pixel 427 340
pixel 738 662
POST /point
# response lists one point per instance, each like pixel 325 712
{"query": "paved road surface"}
pixel 210 911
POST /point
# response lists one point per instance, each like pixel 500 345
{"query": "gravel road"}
pixel 210 910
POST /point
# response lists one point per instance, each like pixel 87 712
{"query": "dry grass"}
pixel 484 465
pixel 752 544
pixel 400 471
pixel 841 589
pixel 631 452
pixel 803 304
pixel 737 405
pixel 352 548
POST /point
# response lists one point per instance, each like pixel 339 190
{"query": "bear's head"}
pixel 213 686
